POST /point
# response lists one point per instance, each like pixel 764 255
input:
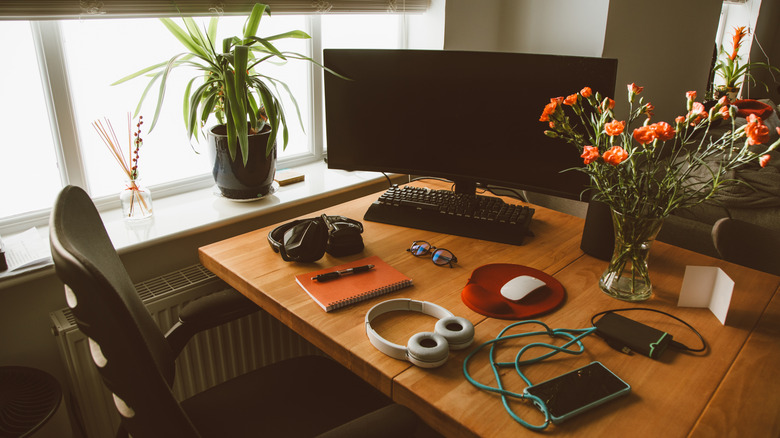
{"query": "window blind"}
pixel 70 9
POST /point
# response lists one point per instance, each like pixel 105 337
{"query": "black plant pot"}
pixel 234 180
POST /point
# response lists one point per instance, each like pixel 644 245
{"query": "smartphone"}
pixel 577 391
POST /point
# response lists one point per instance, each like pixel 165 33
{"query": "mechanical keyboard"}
pixel 444 211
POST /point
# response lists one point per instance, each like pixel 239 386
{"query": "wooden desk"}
pixel 671 397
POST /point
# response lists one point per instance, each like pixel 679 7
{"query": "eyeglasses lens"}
pixel 443 257
pixel 420 248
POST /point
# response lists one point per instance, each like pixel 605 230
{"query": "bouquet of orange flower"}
pixel 645 172
pixel 649 170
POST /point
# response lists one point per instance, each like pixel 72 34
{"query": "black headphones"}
pixel 307 240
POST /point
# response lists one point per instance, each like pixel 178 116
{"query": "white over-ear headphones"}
pixel 425 349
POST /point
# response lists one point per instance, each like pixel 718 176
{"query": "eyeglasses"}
pixel 439 256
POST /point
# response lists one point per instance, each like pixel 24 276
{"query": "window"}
pixel 28 163
pixel 62 84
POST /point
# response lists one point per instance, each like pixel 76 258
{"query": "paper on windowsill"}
pixel 25 249
pixel 707 286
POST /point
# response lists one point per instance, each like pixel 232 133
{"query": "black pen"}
pixel 336 274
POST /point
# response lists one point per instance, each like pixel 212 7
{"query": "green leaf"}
pixel 140 72
pixel 270 48
pixel 163 84
pixel 143 95
pixel 238 118
pixel 186 105
pixel 183 37
pixel 298 34
pixel 253 21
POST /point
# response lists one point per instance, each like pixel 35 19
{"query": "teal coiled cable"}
pixel 574 335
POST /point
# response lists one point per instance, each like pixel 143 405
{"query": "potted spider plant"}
pixel 229 84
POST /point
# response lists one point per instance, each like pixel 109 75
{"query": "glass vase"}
pixel 627 277
pixel 136 201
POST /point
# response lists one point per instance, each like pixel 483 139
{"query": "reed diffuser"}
pixel 136 200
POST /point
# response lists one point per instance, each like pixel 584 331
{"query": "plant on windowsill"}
pixel 732 71
pixel 245 101
pixel 645 174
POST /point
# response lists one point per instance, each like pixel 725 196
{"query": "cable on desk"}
pixel 574 335
pixel 674 344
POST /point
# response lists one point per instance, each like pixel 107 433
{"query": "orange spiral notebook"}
pixel 353 288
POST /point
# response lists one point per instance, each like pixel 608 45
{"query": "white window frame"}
pixel 65 135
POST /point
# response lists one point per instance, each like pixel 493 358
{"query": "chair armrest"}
pixel 393 420
pixel 207 312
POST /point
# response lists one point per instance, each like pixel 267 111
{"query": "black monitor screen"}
pixel 471 117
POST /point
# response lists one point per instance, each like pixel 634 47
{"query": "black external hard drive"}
pixel 621 333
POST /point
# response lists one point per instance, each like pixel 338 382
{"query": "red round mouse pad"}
pixel 482 293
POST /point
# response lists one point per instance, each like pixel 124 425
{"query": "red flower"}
pixel 570 100
pixel 648 110
pixel 764 160
pixel 663 131
pixel 615 155
pixel 756 131
pixel 644 134
pixel 691 95
pixel 697 113
pixel 736 42
pixel 615 127
pixel 679 120
pixel 724 112
pixel 590 154
pixel 634 89
pixel 557 100
pixel 548 109
pixel 586 92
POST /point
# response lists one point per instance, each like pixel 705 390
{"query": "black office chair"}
pixel 303 396
pixel 747 244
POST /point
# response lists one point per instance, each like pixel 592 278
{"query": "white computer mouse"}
pixel 519 287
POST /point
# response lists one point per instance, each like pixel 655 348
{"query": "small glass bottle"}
pixel 136 201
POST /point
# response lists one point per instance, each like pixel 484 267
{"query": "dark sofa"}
pixel 756 202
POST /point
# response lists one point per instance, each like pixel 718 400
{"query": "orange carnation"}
pixel 634 89
pixel 756 131
pixel 586 92
pixel 697 113
pixel 724 112
pixel 570 99
pixel 644 134
pixel 548 109
pixel 614 127
pixel 615 155
pixel 764 160
pixel 663 131
pixel 590 154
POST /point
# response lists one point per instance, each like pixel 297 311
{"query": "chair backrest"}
pixel 747 244
pixel 130 351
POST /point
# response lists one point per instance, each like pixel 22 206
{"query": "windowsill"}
pixel 200 210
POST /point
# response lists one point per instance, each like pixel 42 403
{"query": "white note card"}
pixel 707 286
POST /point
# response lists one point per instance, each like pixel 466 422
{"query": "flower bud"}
pixel 551 134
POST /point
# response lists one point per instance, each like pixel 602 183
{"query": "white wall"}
pixel 663 45
pixel 560 27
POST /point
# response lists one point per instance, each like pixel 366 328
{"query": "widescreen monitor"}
pixel 470 117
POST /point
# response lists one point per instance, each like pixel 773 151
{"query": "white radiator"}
pixel 210 358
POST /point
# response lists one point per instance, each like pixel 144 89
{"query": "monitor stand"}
pixel 468 187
